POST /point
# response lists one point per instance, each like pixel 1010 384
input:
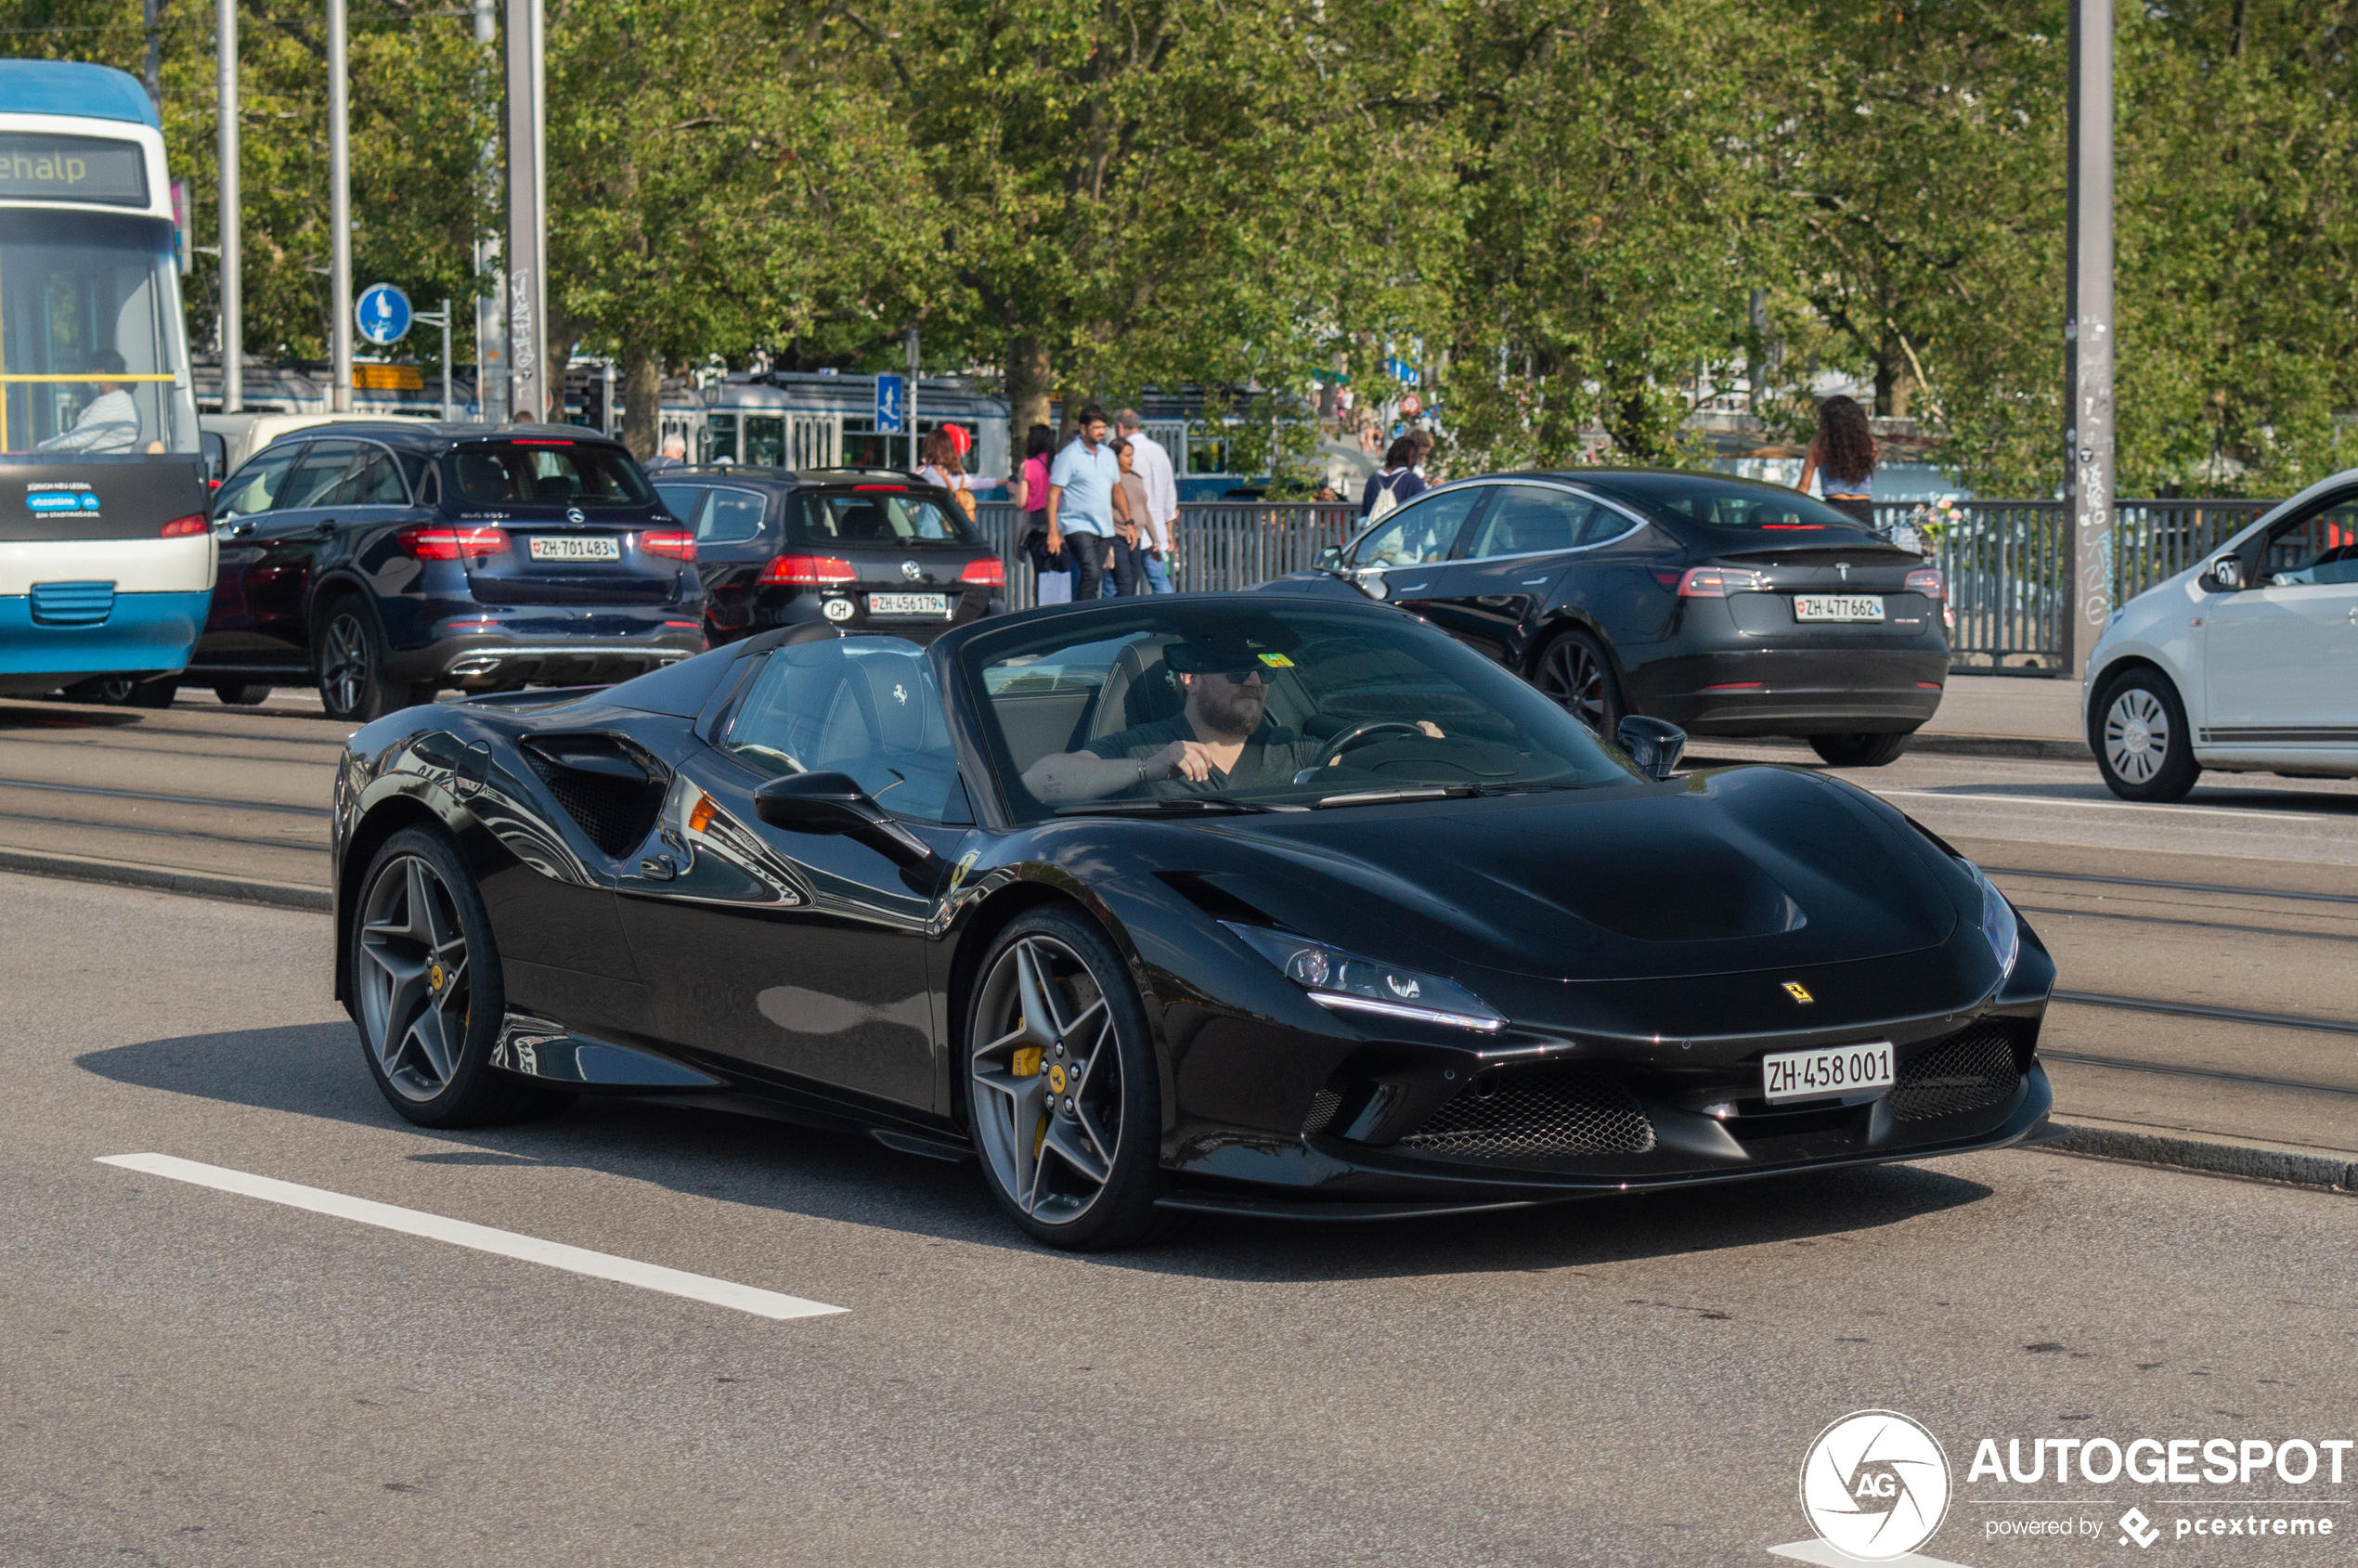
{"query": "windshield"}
pixel 876 514
pixel 1734 506
pixel 91 358
pixel 1178 706
pixel 529 473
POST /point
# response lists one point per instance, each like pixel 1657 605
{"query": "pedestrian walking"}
pixel 1051 572
pixel 1842 457
pixel 1134 537
pixel 1155 472
pixel 1396 483
pixel 945 465
pixel 1080 507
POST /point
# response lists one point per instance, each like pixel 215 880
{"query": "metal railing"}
pixel 2008 563
pixel 2009 570
pixel 1219 546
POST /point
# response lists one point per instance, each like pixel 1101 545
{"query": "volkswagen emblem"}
pixel 908 569
pixel 573 514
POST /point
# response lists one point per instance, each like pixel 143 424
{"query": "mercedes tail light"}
pixel 670 545
pixel 1928 581
pixel 453 544
pixel 988 573
pixel 185 528
pixel 807 569
pixel 1717 582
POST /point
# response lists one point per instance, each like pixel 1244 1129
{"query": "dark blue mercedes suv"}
pixel 387 561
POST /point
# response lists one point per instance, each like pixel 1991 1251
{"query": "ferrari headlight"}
pixel 1348 983
pixel 1998 922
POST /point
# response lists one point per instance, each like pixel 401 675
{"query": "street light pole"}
pixel 233 325
pixel 909 403
pixel 2088 330
pixel 527 216
pixel 339 211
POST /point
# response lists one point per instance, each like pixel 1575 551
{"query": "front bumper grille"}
pixel 1537 1113
pixel 1971 1069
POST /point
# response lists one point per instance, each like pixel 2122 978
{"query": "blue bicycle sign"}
pixel 383 314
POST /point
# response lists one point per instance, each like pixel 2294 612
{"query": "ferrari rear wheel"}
pixel 427 991
pixel 1063 1088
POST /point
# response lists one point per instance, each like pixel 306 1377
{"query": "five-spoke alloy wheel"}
pixel 1062 1088
pixel 427 991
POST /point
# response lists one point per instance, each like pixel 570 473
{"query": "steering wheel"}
pixel 1350 737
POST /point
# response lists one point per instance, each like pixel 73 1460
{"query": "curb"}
pixel 2203 1152
pixel 194 883
pixel 2037 748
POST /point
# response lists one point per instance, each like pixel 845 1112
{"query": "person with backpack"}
pixel 945 465
pixel 1396 483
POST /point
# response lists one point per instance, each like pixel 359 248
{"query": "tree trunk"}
pixel 642 399
pixel 1028 382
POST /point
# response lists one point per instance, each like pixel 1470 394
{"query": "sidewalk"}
pixel 2023 706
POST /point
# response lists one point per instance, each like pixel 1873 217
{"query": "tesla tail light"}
pixel 1928 581
pixel 184 527
pixel 670 545
pixel 809 569
pixel 1717 582
pixel 452 544
pixel 992 573
pixel 1346 983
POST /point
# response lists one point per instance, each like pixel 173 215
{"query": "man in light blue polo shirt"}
pixel 1080 488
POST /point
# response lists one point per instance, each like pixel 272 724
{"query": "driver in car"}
pixel 1222 740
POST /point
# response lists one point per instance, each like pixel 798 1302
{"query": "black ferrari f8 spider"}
pixel 1231 903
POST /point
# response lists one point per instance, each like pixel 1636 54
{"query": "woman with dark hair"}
pixel 1396 483
pixel 1842 455
pixel 946 466
pixel 1053 573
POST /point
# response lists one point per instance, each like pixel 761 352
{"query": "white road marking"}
pixel 483 1238
pixel 2103 805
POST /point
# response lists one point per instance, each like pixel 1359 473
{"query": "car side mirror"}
pixel 2227 575
pixel 1371 582
pixel 834 803
pixel 1652 744
pixel 1330 558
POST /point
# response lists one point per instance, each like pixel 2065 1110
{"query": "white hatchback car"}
pixel 2246 662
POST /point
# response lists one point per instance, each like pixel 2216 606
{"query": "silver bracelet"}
pixel 1142 772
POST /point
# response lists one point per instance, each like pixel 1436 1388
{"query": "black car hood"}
pixel 1736 869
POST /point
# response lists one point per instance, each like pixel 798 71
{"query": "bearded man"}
pixel 1221 742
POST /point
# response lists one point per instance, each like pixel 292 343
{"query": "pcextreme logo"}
pixel 1875 1486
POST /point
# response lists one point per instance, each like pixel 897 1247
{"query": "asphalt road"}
pixel 193 1377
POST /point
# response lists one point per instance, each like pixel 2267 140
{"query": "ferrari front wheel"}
pixel 428 993
pixel 1063 1091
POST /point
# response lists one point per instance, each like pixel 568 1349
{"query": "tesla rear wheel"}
pixel 1860 751
pixel 427 990
pixel 2140 739
pixel 1062 1086
pixel 1575 671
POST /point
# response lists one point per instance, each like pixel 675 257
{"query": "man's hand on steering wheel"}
pixel 1332 752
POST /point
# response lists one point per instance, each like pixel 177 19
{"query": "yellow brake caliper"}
pixel 1025 1063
